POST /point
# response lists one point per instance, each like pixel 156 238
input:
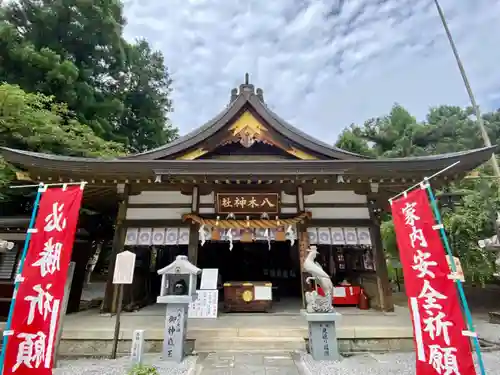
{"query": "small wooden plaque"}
pixel 247 236
pixel 215 234
pixel 280 235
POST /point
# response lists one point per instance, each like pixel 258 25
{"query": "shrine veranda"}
pixel 246 193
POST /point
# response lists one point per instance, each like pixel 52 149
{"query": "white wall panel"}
pixel 207 199
pixel 288 198
pixel 6 236
pixel 207 210
pixel 288 210
pixel 156 213
pixel 339 212
pixel 159 197
pixel 337 196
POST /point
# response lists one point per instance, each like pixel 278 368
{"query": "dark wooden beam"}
pixel 109 302
pixel 382 274
pixel 193 228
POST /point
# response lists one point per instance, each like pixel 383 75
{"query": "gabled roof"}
pixel 326 160
pixel 246 98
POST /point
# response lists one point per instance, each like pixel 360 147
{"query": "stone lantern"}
pixel 178 290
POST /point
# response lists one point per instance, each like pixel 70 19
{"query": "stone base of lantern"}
pixel 175 332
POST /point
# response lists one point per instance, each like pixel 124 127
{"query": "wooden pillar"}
pixel 194 236
pixel 79 256
pixel 382 274
pixel 109 303
pixel 194 239
pixel 303 246
pixel 303 238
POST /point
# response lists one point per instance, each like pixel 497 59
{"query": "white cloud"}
pixel 321 66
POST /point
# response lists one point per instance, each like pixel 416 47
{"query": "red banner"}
pixel 442 348
pixel 37 305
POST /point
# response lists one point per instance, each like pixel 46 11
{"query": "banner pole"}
pixel 47 185
pixel 465 306
pixel 18 278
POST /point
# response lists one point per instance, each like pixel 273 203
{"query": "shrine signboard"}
pixel 247 203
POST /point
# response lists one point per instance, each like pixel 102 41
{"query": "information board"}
pixel 209 278
pixel 124 268
pixel 205 305
pixel 263 293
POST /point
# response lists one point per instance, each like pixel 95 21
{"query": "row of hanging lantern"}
pixel 289 233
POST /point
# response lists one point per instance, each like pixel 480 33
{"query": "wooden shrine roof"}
pixel 246 99
pixel 244 122
pixel 85 168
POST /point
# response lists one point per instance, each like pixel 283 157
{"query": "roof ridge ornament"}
pixel 247 89
pixel 234 95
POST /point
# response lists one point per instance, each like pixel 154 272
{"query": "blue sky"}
pixel 323 64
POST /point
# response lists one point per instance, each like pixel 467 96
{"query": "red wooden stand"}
pixel 349 295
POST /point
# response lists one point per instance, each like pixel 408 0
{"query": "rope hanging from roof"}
pixel 251 223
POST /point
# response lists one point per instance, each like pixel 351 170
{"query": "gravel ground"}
pixel 383 364
pixel 120 366
pixel 487 331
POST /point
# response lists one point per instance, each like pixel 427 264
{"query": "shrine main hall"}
pixel 247 193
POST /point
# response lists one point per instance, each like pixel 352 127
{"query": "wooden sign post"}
pixel 123 274
pixel 62 314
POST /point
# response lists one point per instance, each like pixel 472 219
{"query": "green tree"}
pixel 445 129
pixel 451 129
pixel 34 69
pixel 35 122
pixel 396 135
pixel 352 140
pixel 492 123
pixel 470 221
pixel 75 51
pixel 146 101
pixel 399 134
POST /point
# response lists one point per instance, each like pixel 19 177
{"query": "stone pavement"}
pixel 121 366
pixel 235 363
pixel 379 364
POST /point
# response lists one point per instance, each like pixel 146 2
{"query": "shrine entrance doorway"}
pixel 258 261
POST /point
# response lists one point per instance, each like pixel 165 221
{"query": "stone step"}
pixel 249 344
pixel 247 332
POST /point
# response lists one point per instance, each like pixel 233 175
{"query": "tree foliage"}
pixel 51 127
pixel 35 122
pixel 352 139
pixel 471 221
pixel 72 85
pixel 74 50
pixel 146 101
pixel 445 129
